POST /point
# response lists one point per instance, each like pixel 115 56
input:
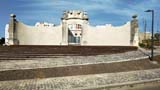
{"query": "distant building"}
pixel 44 24
pixel 144 36
pixel 74 29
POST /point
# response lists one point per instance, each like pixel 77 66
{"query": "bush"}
pixel 2 41
pixel 142 45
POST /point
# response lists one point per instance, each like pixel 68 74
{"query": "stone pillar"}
pixel 84 33
pixel 134 31
pixel 12 29
pixel 64 33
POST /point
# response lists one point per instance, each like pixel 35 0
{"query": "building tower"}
pixel 73 25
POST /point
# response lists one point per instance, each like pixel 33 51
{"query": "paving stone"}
pixel 78 81
pixel 68 61
pixel 83 81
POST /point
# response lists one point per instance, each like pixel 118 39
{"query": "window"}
pixel 79 13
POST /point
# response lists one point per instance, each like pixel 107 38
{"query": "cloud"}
pixel 115 12
pixel 122 9
pixel 107 6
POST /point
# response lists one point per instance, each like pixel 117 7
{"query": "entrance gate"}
pixel 73 39
pixel 74 34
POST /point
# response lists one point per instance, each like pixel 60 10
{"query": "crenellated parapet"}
pixel 74 14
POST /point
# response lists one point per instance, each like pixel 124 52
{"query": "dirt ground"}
pixel 157 58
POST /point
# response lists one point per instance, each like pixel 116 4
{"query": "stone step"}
pixel 38 55
pixel 63 71
pixel 66 49
pixel 104 81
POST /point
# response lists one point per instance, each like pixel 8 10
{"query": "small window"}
pixel 76 34
pixel 79 13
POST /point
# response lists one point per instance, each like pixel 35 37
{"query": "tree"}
pixel 2 41
pixel 157 36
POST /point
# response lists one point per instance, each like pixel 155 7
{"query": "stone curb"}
pixel 87 82
pixel 126 84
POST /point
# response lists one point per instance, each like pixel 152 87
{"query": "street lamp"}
pixel 152 41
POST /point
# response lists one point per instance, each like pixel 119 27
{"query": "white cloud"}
pixel 108 7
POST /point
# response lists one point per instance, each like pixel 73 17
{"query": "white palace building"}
pixel 74 29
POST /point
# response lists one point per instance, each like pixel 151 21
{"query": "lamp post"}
pixel 152 41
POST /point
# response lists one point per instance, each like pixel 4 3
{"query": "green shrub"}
pixel 142 45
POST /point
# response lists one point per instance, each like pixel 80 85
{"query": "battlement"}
pixel 74 14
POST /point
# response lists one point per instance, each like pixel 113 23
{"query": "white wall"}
pixel 108 35
pixel 31 35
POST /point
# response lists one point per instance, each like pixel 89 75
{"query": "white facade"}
pixel 31 35
pixel 108 35
pixel 44 24
pixel 73 30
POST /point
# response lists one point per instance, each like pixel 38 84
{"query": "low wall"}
pixel 108 35
pixel 30 35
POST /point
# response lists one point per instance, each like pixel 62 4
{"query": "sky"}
pixel 100 12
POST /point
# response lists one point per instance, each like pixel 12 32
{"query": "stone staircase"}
pixel 71 67
pixel 22 52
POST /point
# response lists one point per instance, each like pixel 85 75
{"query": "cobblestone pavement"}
pixel 61 61
pixel 81 82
